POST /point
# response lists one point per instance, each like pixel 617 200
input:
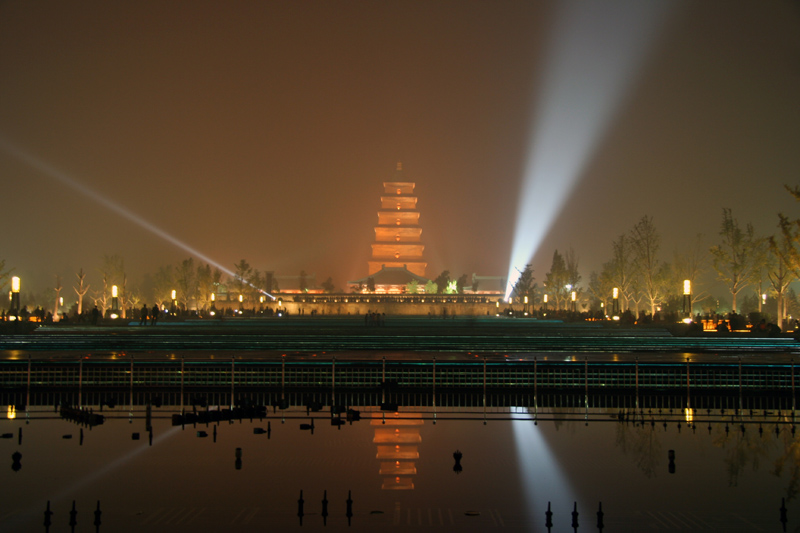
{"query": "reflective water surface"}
pixel 728 473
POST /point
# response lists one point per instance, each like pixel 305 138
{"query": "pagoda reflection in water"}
pixel 397 436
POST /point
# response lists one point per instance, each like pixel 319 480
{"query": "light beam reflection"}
pixel 593 57
pixel 542 477
pixel 109 204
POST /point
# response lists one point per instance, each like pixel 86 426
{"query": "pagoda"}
pixel 398 234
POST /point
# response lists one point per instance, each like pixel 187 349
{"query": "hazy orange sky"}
pixel 263 131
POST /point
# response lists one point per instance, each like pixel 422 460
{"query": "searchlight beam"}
pixel 109 204
pixel 593 57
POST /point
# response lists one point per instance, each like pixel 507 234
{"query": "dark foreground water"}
pixel 400 474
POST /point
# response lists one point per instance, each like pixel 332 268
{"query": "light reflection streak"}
pixel 594 54
pixel 542 477
pixel 62 177
pixel 22 518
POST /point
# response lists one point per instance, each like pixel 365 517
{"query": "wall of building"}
pixel 390 308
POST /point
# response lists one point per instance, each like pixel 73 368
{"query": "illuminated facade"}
pixel 398 236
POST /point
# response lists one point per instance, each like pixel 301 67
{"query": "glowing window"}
pixel 397 255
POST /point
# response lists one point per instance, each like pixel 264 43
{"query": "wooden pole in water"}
pixel 130 392
pixel 688 390
pixel 535 397
pixel 28 388
pixel 484 389
pixel 741 407
pixel 586 387
pixel 434 389
pixel 233 378
pixel 182 360
pixel 637 382
pixel 80 382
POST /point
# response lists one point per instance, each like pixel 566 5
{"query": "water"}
pixel 511 469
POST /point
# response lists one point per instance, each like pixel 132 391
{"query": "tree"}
pixel 525 285
pixel 412 287
pixel 186 281
pixel 653 273
pixel 557 279
pixel 461 282
pixel 759 279
pixel 81 290
pixel 733 256
pixel 113 272
pixel 691 265
pixel 4 274
pixel 243 271
pixel 205 285
pixel 442 280
pixel 101 297
pixel 303 281
pixel 601 288
pixel 163 282
pixel 371 284
pixel 328 286
pixel 620 271
pixel 431 287
pixel 571 263
pixel 57 290
pixel 784 266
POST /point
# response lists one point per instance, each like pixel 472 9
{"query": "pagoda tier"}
pixel 395 234
pixel 398 235
pixel 398 202
pixel 398 218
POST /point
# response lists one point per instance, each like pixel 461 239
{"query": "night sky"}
pixel 263 131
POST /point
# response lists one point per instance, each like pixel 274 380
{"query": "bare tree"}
pixel 691 265
pixel 205 286
pixel 601 287
pixel 163 283
pixel 243 272
pixel 784 268
pixel 3 274
pixel 81 290
pixel 101 298
pixel 57 289
pixel 645 244
pixel 186 280
pixel 733 256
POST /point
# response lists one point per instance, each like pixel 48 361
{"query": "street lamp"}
pixel 15 284
pixel 687 296
pixel 545 303
pixel 615 302
pixel 174 296
pixel 573 297
pixel 114 301
pixel 525 306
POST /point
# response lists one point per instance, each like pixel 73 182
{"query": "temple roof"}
pixel 392 276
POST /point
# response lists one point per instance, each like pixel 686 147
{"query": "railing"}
pixel 414 375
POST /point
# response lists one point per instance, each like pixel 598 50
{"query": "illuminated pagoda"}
pixel 397 253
